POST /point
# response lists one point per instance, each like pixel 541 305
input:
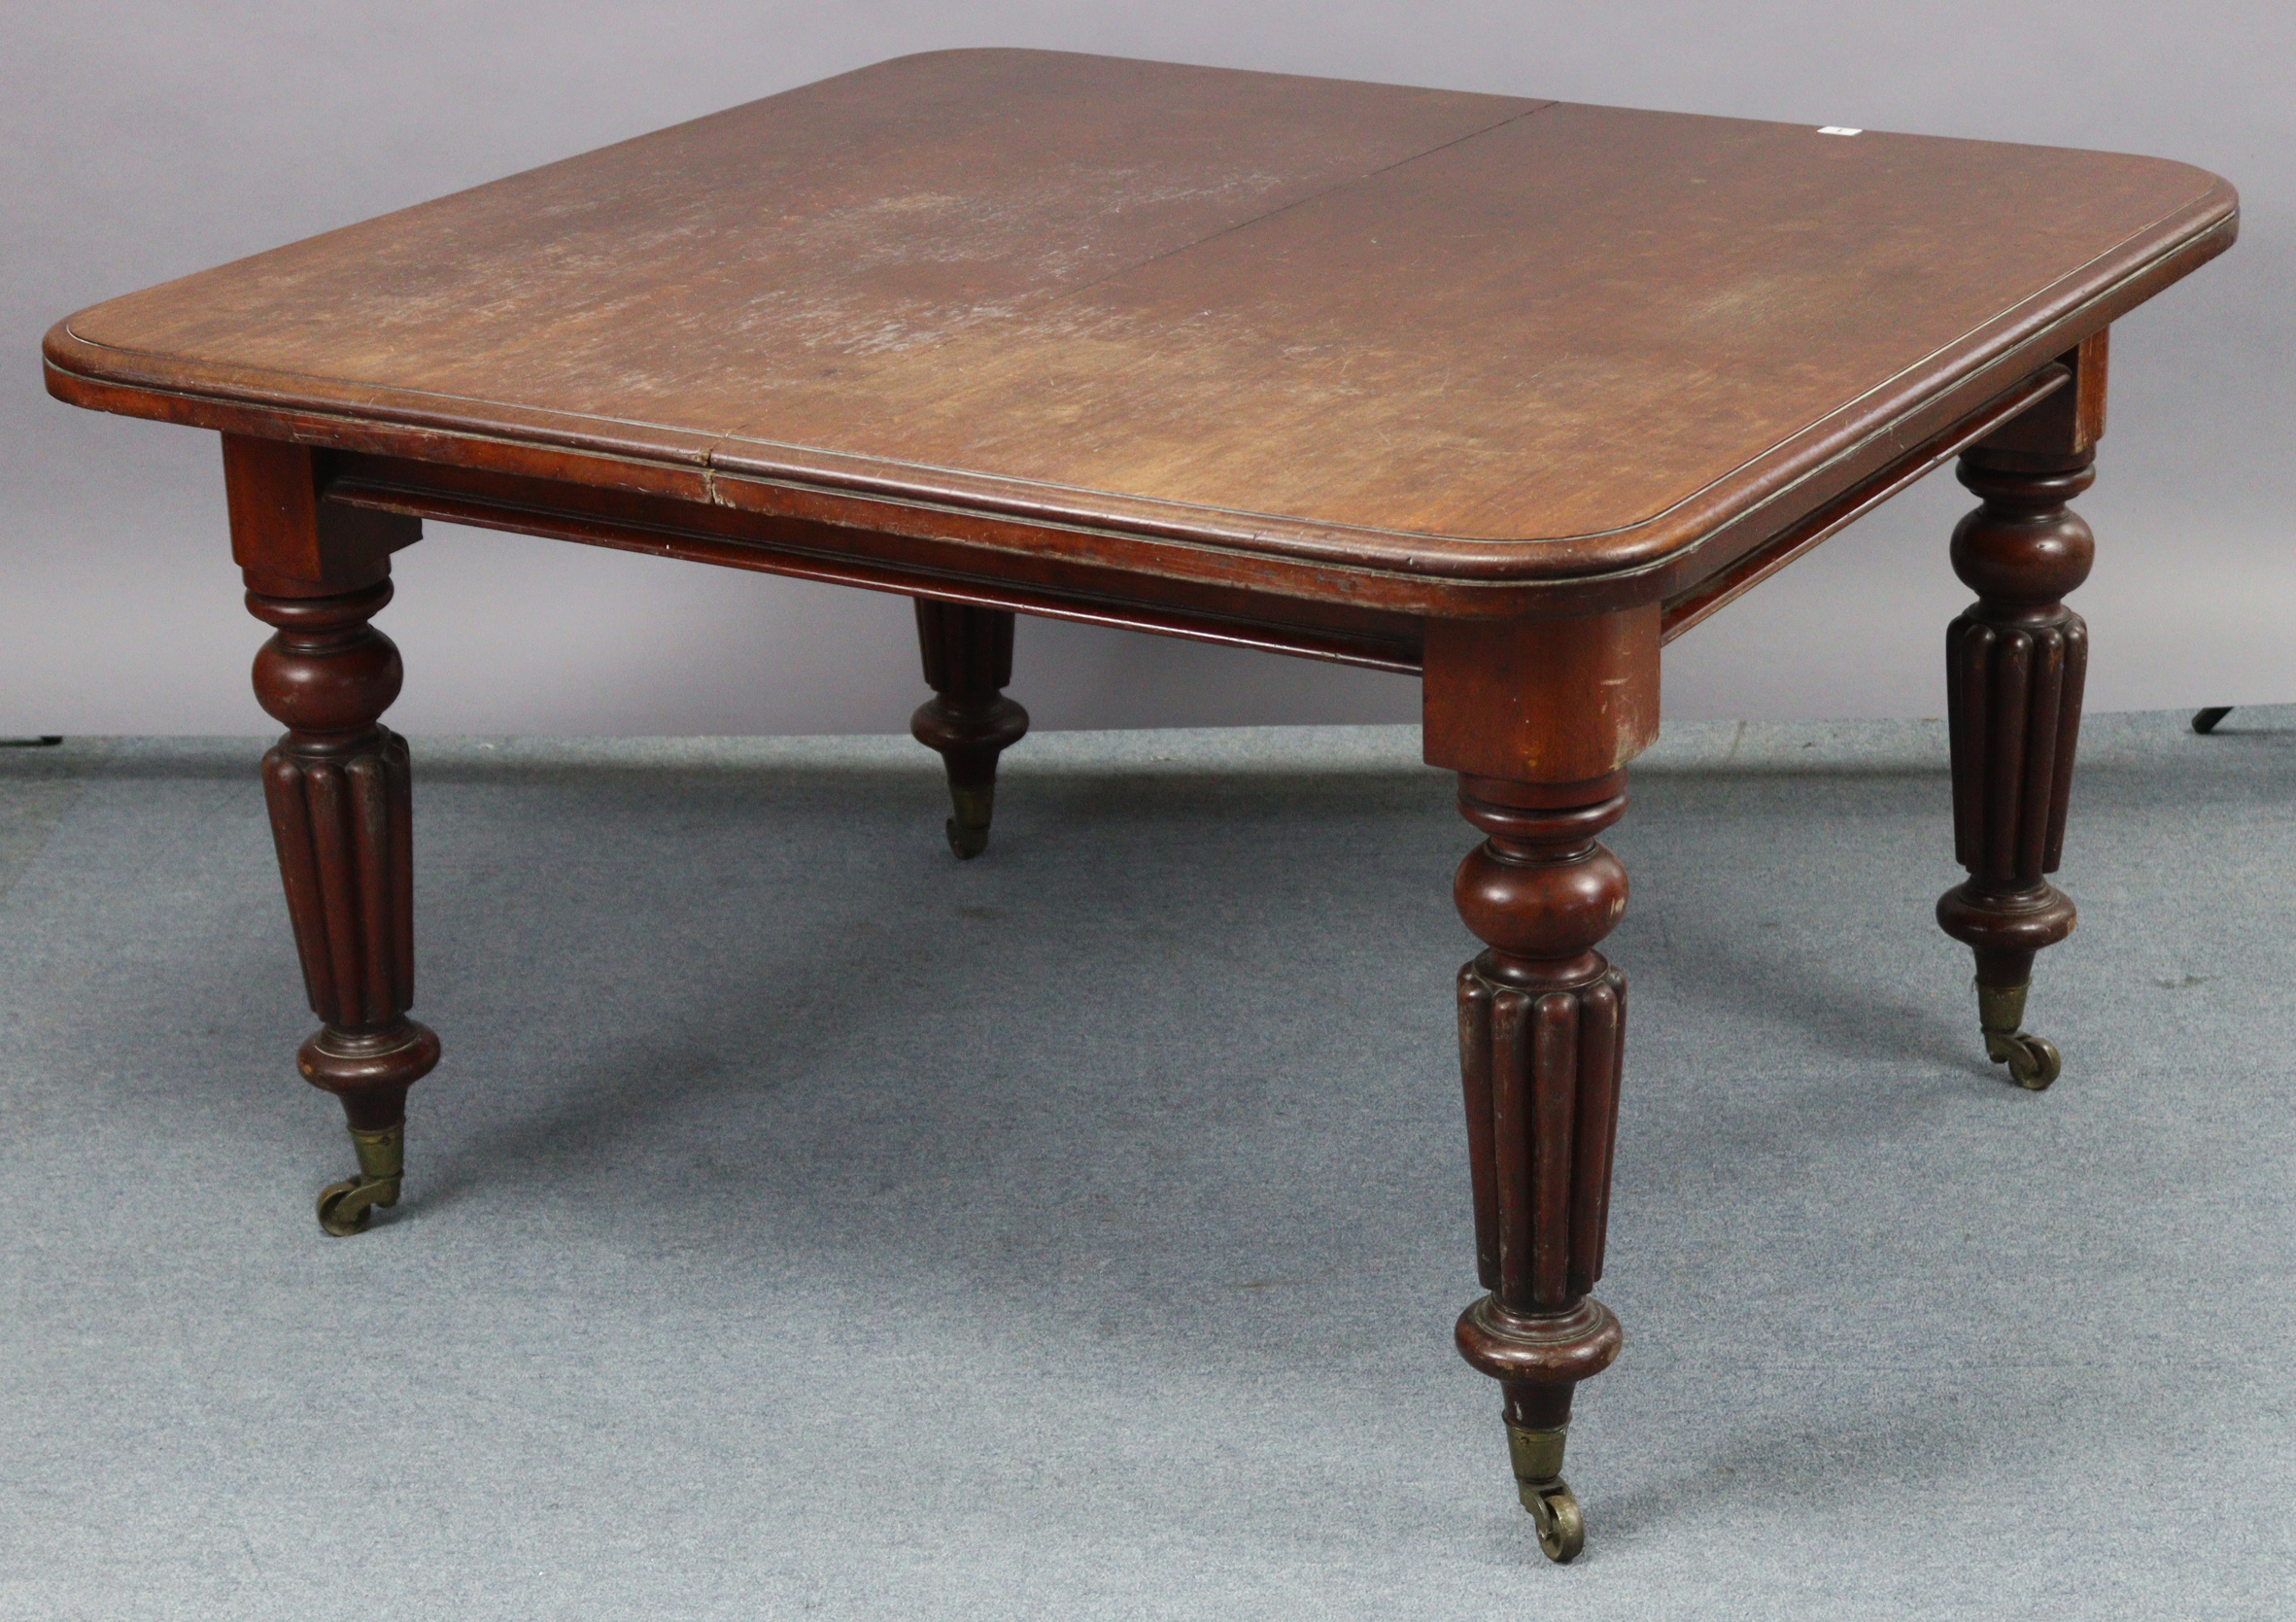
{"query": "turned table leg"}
pixel 968 661
pixel 338 793
pixel 337 789
pixel 2014 663
pixel 1542 1025
pixel 1539 718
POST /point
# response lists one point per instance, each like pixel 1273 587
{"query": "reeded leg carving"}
pixel 1542 1027
pixel 968 661
pixel 2014 663
pixel 338 791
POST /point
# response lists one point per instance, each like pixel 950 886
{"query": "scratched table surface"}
pixel 1419 330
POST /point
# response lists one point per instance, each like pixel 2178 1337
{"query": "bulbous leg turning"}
pixel 1542 1028
pixel 968 655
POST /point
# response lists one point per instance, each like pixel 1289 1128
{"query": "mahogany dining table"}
pixel 1503 392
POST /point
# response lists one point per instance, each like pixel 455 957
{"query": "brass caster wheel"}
pixel 967 842
pixel 1554 1513
pixel 968 830
pixel 1537 1457
pixel 2033 1060
pixel 345 1208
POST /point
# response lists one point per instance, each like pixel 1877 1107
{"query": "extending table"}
pixel 1506 393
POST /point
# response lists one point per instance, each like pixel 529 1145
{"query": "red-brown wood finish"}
pixel 968 654
pixel 1502 391
pixel 1388 349
pixel 340 797
pixel 1542 1034
pixel 2015 664
pixel 1539 719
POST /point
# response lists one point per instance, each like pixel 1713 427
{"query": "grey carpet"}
pixel 803 1224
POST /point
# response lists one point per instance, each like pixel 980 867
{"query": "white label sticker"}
pixel 1837 129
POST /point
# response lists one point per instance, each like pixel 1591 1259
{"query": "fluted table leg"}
pixel 338 791
pixel 1542 1030
pixel 341 814
pixel 1539 719
pixel 2015 663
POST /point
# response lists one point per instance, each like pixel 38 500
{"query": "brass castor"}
pixel 1537 1458
pixel 968 830
pixel 2033 1060
pixel 1554 1513
pixel 345 1207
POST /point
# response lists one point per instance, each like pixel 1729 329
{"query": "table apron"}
pixel 877 561
pixel 1691 605
pixel 1065 590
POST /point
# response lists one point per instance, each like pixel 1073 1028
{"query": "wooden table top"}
pixel 1414 330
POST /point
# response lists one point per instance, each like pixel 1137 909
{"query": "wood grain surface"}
pixel 1409 331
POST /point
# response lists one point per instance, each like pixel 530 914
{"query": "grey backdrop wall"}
pixel 142 140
